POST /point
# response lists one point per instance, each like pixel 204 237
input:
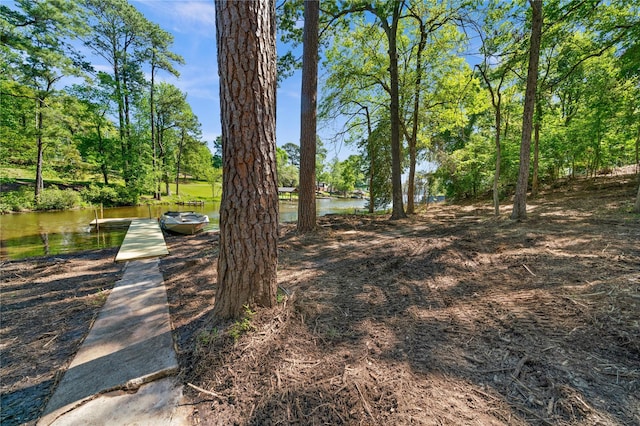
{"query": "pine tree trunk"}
pixel 307 188
pixel 245 32
pixel 520 200
pixel 124 154
pixel 372 161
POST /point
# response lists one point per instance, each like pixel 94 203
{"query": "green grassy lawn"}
pixel 18 186
pixel 49 176
pixel 14 173
pixel 27 174
pixel 195 190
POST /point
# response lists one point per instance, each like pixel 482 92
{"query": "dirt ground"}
pixel 450 317
pixel 47 306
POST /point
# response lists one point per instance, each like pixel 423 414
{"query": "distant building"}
pixel 284 190
pixel 321 186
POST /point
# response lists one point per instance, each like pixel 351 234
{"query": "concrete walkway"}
pixel 122 373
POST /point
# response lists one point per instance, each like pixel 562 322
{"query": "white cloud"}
pixel 184 16
pixel 293 94
pixel 210 137
pixel 196 83
pixel 102 67
pixel 201 12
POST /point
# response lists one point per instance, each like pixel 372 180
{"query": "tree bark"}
pixel 520 200
pixel 372 162
pixel 245 32
pixel 413 139
pixel 183 135
pixel 103 155
pixel 40 148
pixel 536 149
pixel 152 123
pixel 496 176
pixel 308 122
pixel 118 93
pixel 397 211
pixel 496 102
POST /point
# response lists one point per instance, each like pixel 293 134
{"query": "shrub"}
pixel 15 201
pixel 57 199
pixel 128 196
pixel 105 195
pixel 109 196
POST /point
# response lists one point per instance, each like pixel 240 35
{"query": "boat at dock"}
pixel 184 222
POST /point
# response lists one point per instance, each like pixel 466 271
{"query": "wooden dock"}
pixel 144 239
pixel 190 203
pixel 114 222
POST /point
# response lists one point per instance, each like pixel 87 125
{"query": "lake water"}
pixel 50 233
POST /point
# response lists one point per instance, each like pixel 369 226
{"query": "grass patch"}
pixel 93 191
pixel 243 325
pixel 17 173
pixel 194 190
pixel 206 337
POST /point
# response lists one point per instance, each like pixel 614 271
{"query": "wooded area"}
pixel 462 72
pixel 114 125
pixel 445 110
pixel 449 314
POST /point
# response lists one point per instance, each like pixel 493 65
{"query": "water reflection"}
pixel 50 233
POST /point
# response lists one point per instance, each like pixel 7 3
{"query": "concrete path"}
pixel 121 373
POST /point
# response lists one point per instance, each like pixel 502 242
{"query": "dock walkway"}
pixel 144 239
pixel 124 372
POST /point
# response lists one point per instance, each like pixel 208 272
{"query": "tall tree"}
pixel 119 34
pixel 389 16
pixel 520 200
pixel 97 144
pixel 245 33
pixel 170 110
pixel 293 152
pixel 496 37
pixel 160 58
pixel 38 32
pixel 428 64
pixel 355 93
pixel 189 131
pixel 308 121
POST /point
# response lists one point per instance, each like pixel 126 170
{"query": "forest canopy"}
pixel 119 124
pixel 455 127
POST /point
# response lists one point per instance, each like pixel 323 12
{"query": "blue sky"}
pixel 192 23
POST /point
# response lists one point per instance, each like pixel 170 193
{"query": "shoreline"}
pixel 451 298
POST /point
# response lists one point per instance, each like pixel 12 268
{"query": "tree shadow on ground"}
pixel 48 305
pixel 472 309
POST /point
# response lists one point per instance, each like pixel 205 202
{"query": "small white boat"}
pixel 183 222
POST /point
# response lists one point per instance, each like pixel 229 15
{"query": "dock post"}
pixel 97 222
pixel 149 205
